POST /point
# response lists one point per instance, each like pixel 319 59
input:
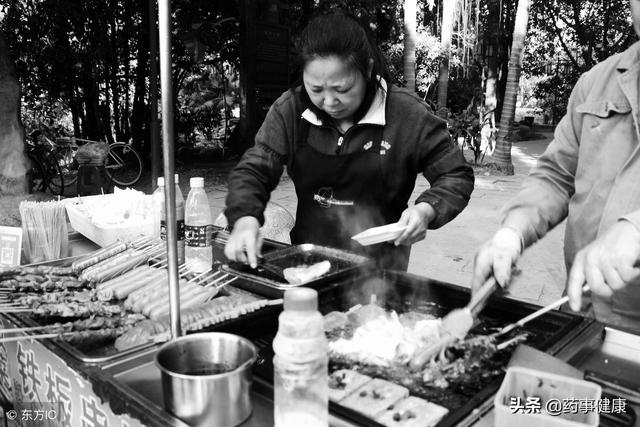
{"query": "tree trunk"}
pixel 13 162
pixel 142 72
pixel 502 154
pixel 409 57
pixel 448 11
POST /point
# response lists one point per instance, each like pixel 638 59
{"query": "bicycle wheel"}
pixel 38 179
pixel 123 164
pixel 55 177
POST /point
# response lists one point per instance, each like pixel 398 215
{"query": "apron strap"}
pixel 303 133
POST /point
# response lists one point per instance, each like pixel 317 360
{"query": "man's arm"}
pixel 541 204
pixel 543 201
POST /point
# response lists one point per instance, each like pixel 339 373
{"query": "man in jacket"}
pixel 589 174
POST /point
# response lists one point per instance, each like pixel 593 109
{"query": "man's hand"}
pixel 416 218
pixel 245 241
pixel 607 264
pixel 497 257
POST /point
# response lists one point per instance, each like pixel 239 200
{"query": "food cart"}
pixel 53 383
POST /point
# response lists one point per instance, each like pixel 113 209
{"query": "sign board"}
pixel 10 246
pixel 44 391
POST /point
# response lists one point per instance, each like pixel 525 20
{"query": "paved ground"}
pixel 447 254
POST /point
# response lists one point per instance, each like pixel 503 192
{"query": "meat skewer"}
pixel 76 309
pixel 98 256
pixel 83 324
pixel 33 300
pixel 42 284
pixel 72 337
pixel 208 314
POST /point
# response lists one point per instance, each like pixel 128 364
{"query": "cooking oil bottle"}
pixel 301 390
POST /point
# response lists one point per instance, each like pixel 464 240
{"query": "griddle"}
pixel 404 292
pixel 105 351
pixel 268 279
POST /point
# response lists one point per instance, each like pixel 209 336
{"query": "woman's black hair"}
pixel 340 34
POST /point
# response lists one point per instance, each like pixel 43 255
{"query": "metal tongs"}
pixel 458 322
pixel 456 325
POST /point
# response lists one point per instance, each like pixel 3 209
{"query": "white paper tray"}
pixel 380 234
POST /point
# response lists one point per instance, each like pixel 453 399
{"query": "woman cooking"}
pixel 353 145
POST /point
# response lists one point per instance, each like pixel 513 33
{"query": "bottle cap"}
pixel 196 182
pixel 301 299
pixel 161 181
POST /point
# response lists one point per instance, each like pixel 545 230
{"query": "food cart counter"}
pixel 37 377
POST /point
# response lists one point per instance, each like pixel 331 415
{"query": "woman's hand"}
pixel 607 264
pixel 416 218
pixel 497 257
pixel 245 242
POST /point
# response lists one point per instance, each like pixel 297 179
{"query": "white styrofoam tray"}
pixel 380 234
pixel 106 227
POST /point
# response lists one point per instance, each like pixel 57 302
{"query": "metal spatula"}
pixel 456 325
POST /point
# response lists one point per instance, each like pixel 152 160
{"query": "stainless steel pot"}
pixel 206 378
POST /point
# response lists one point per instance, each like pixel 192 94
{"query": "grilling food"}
pixel 114 267
pixel 98 256
pixel 306 273
pixel 99 322
pixel 380 338
pixel 412 412
pixel 76 309
pixel 195 318
pixel 344 381
pixel 374 397
pixel 381 344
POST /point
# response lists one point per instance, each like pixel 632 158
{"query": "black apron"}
pixel 354 177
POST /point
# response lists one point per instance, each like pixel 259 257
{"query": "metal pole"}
pixel 166 88
pixel 154 131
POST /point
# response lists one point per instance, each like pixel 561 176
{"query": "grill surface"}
pixel 403 292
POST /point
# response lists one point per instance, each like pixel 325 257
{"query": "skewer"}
pixel 216 278
pixel 26 337
pixel 8 304
pixel 27 329
pixel 17 310
pixel 219 287
pixel 511 341
pixel 196 278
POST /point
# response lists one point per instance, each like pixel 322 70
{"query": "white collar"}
pixel 375 114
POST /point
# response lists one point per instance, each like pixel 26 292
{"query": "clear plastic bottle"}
pixel 157 201
pixel 198 226
pixel 179 220
pixel 301 390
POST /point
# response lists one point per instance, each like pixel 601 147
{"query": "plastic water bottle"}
pixel 157 203
pixel 179 220
pixel 198 227
pixel 301 389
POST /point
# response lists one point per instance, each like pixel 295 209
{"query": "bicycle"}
pixel 123 163
pixel 44 170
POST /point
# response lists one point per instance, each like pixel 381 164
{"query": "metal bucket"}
pixel 206 378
